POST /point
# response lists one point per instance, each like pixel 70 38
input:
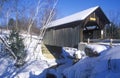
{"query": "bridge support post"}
pixel 101 34
pixel 81 34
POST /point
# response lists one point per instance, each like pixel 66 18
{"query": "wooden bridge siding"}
pixel 68 37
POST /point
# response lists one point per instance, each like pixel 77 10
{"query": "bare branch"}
pixel 37 11
pixel 8 48
pixel 45 25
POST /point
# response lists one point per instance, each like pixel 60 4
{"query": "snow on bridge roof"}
pixel 72 18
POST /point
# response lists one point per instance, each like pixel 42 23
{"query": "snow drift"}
pixel 107 65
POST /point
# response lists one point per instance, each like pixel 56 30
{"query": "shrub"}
pixel 89 52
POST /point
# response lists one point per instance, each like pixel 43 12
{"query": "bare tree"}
pixel 113 29
pixel 45 14
pixel 30 18
pixel 45 17
pixel 2 3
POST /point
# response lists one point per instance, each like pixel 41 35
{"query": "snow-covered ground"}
pixel 36 66
pixel 107 65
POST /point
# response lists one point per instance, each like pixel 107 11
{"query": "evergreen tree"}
pixel 17 46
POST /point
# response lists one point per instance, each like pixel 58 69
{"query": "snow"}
pixel 71 52
pixel 68 52
pixel 97 67
pixel 35 62
pixel 107 65
pixel 97 48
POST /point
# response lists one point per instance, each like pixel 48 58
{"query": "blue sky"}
pixel 68 7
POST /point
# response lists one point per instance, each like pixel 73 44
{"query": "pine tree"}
pixel 17 46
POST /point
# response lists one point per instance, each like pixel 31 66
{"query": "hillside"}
pixel 37 66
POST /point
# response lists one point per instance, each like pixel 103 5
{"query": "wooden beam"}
pixel 100 23
pixel 81 34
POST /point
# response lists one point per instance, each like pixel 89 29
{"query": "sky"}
pixel 68 7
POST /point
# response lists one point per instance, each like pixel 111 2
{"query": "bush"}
pixel 89 52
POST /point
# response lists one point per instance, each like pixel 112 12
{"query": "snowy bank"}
pixel 107 65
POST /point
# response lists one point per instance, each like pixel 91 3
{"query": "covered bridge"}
pixel 70 30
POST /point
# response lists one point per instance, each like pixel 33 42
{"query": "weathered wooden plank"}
pixel 70 34
pixel 62 37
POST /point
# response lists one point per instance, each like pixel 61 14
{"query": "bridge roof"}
pixel 75 17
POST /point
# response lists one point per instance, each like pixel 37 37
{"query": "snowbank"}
pixel 35 65
pixel 107 65
pixel 97 48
